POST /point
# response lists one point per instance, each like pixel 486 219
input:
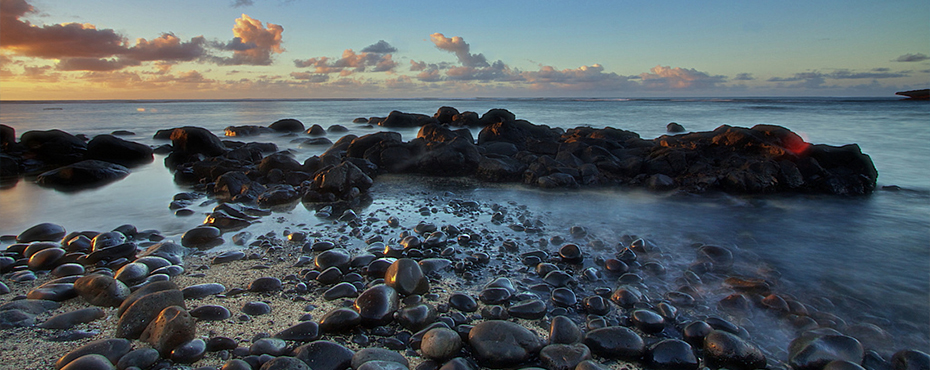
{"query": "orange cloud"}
pixel 679 78
pixel 253 43
pixel 69 40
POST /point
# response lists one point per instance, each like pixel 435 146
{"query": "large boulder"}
pixel 280 160
pixel 196 140
pixel 10 166
pixel 115 150
pixel 341 179
pixel 522 134
pixel 54 146
pixel 401 119
pixel 457 157
pixel 81 174
pixel 7 138
pixel 287 125
pixel 247 130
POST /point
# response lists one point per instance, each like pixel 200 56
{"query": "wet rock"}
pixel 287 125
pixel 142 358
pixel 341 290
pixel 842 365
pixel 255 308
pixel 564 297
pixel 377 354
pixel 440 343
pixel 13 318
pixel 563 330
pixel 284 363
pixel 246 130
pixel 112 149
pixel 143 310
pixel 265 284
pixel 336 257
pixel 325 355
pixel 57 292
pixel 227 257
pixel 54 146
pixel 211 313
pixel 91 361
pixel 571 253
pixel 725 349
pixel 694 333
pixel 202 290
pixel 615 342
pixel 45 259
pixel 672 354
pixel 674 128
pixel 495 295
pixel 68 319
pixel 910 359
pixel 270 346
pixel 416 317
pixel 500 344
pixel 376 305
pixel 340 320
pixel 463 302
pixel 84 173
pixel 189 352
pixel 110 349
pixel 531 309
pixel 306 331
pixel 406 277
pixel 563 356
pixel 626 297
pixel 132 273
pixel 815 348
pixel 648 321
pixel 172 327
pixel 196 140
pixel 202 237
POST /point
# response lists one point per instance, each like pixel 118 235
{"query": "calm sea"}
pixel 869 255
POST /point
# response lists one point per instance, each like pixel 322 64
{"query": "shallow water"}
pixel 869 255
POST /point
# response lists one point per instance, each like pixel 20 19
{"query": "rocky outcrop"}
pixel 82 174
pixel 112 149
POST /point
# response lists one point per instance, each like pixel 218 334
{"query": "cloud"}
pixel 845 74
pixel 350 62
pixel 241 3
pixel 590 77
pixel 808 80
pixel 94 64
pixel 252 43
pixel 310 77
pixel 380 47
pixel 919 57
pixel 69 40
pixel 457 46
pixel 744 77
pixel 167 47
pixel 660 77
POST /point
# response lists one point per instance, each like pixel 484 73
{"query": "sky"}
pixel 297 49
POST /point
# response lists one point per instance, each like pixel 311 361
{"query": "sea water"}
pixel 870 255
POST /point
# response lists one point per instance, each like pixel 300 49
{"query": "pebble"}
pixel 255 308
pixel 57 292
pixel 189 352
pixel 596 305
pixel 382 365
pixel 68 269
pixel 203 237
pixel 341 290
pixel 220 343
pixel 46 258
pixel 563 356
pixel 495 295
pixel 337 257
pixel 564 297
pixel 463 302
pixel 284 363
pixel 226 257
pixel 41 232
pixel 440 343
pixel 306 331
pixel 111 349
pixel 672 354
pixel 502 343
pixel 202 290
pixel 377 354
pixel 132 273
pixel 340 320
pixel 90 362
pixel 416 317
pixel 134 319
pixel 625 296
pixel 406 277
pixel 615 342
pixel 142 358
pixel 68 319
pixel 695 331
pixel 531 309
pixel 648 321
pixel 270 346
pixel 563 330
pixel 724 349
pixel 265 284
pixel 211 313
pixel 814 349
pixel 325 355
pixel 571 253
pixel 377 305
pixel 172 327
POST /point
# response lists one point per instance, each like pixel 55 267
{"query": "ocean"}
pixel 868 256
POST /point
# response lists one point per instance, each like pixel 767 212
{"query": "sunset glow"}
pixel 222 49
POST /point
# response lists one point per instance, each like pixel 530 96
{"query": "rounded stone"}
pixel 325 355
pixel 846 365
pixel 269 346
pixel 336 257
pixel 142 358
pixel 626 297
pixel 695 332
pixel 571 253
pixel 441 343
pixel 111 349
pixel 910 359
pixel 495 295
pixel 340 320
pixel 132 273
pixel 563 330
pixel 341 290
pixel 68 319
pixel 189 352
pixel 305 331
pixel 41 232
pixel 172 327
pixel 648 321
pixel 91 361
pixel 284 363
pixel 376 305
pixel 255 308
pixel 45 259
pixel 672 354
pixel 563 297
pixel 615 342
pixel 68 269
pixel 202 290
pixel 564 356
pixel 107 240
pixel 211 313
pixel 725 349
pixel 502 343
pixel 406 276
pixel 416 317
pixel 265 284
pixel 202 237
pixel 463 302
pixel 377 354
pixel 531 309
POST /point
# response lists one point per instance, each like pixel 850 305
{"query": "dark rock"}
pixel 196 140
pixel 111 349
pixel 910 359
pixel 90 361
pixel 287 125
pixel 564 297
pixel 306 331
pixel 340 320
pixel 531 309
pixel 189 352
pixel 563 330
pixel 125 250
pixel 41 232
pixel 440 343
pixel 500 344
pixel 265 284
pixel 416 317
pixel 399 119
pixel 45 259
pixel 674 128
pixel 406 277
pixel 341 290
pixel 815 348
pixel 211 313
pixel 324 355
pixel 83 173
pixel 141 358
pixel 377 354
pixel 316 130
pixel 227 257
pixel 12 318
pixel 132 273
pixel 648 321
pixel 143 310
pixel 68 319
pixel 672 354
pixel 115 150
pixel 246 130
pixel 255 308
pixel 725 349
pixel 615 342
pixel 284 363
pixel 270 346
pixel 202 237
pixel 695 332
pixel 463 302
pixel 563 356
pixel 842 365
pixel 202 290
pixel 54 146
pixel 57 292
pixel 172 327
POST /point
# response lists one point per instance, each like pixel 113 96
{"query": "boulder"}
pixel 196 140
pixel 522 134
pixel 247 130
pixel 7 138
pixel 112 149
pixel 280 160
pixel 54 146
pixel 341 179
pixel 400 119
pixel 445 115
pixel 83 173
pixel 287 125
pixel 674 128
pixel 496 115
pixel 499 169
pixel 457 157
pixel 10 166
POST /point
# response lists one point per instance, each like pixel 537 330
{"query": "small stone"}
pixel 145 309
pixel 564 297
pixel 648 321
pixel 306 331
pixel 377 305
pixel 815 348
pixel 283 363
pixel 341 290
pixel 563 330
pixel 91 361
pixel 416 317
pixel 406 276
pixel 615 342
pixel 463 302
pixel 340 320
pixel 189 352
pixel 531 309
pixel 41 232
pixel 110 349
pixel 503 343
pixel 564 356
pixel 440 343
pixel 211 313
pixel 255 308
pixel 672 354
pixel 68 319
pixel 725 349
pixel 172 327
pixel 270 346
pixel 377 354
pixel 142 358
pixel 202 290
pixel 324 355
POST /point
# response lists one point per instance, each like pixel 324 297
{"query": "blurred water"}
pixel 872 251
